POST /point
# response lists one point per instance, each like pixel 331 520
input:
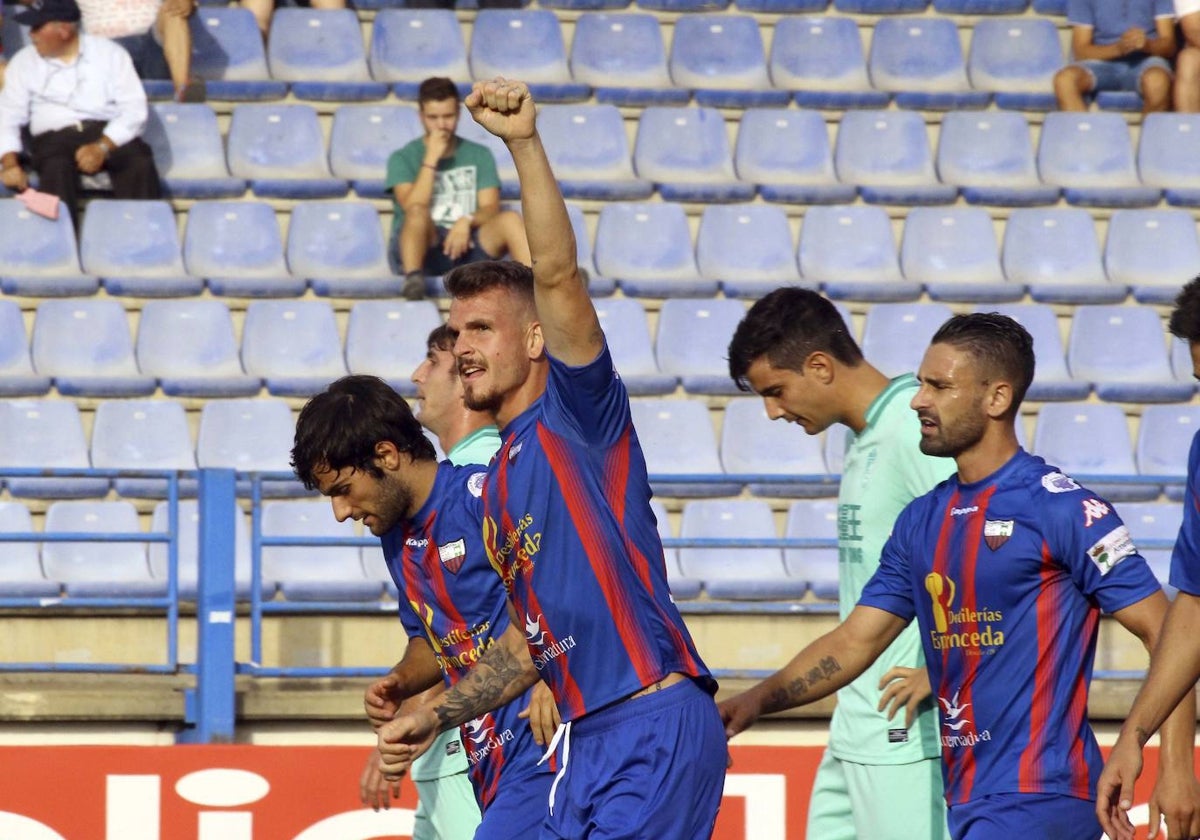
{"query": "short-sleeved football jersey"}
pixel 569 528
pixel 1006 578
pixel 1185 559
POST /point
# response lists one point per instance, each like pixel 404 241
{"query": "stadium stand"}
pixel 735 572
pixel 237 248
pixel 98 569
pixel 788 156
pixel 647 248
pixel 682 588
pixel 1051 379
pixel 293 346
pixel 362 139
pixel 21 574
pixel 133 247
pixel 588 149
pixel 1098 352
pixel 410 45
pixel 693 339
pixel 280 151
pixel 387 339
pixel 1164 434
pixel 320 53
pixel 39 257
pixel 1152 251
pixel 228 53
pixel 1015 59
pixel 686 154
pixel 249 435
pixel 628 335
pixel 1091 157
pixel 754 444
pixel 747 248
pixel 678 440
pixel 887 154
pixel 813 519
pixel 314 573
pixel 190 152
pixel 622 57
pixel 989 157
pixel 1167 157
pixel 188 551
pixel 920 62
pixel 85 344
pixel 339 248
pixel 721 58
pixel 143 435
pixel 1090 439
pixel 190 347
pixel 952 252
pixel 895 335
pixel 821 60
pixel 524 44
pixel 851 252
pixel 17 377
pixel 1055 253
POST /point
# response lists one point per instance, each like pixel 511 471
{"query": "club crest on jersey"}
pixel 475 484
pixel 996 532
pixel 452 555
pixel 1056 482
pixel 1093 510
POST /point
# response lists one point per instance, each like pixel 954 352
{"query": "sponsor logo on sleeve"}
pixel 1112 548
pixel 1056 482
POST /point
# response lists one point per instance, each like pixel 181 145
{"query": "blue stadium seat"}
pixel 693 342
pixel 411 45
pixel 46 434
pixel 1086 440
pixel 363 138
pixel 677 438
pixel 188 552
pixel 293 345
pixel 920 62
pixel 1051 379
pixel 1169 156
pixel 1154 252
pixel 190 347
pixel 1181 360
pixel 525 44
pixel 21 574
pixel 880 7
pixel 143 435
pixel 953 253
pixel 1016 59
pixel 13 35
pixel 587 147
pixel 980 7
pixel 721 58
pixel 237 248
pixel 17 377
pixel 736 573
pixel 1091 157
pixel 320 53
pixel 98 569
pixel 627 331
pixel 685 153
pixel 314 573
pixel 248 435
pixel 1050 7
pixel 682 588
pixel 387 339
pixel 688 6
pixel 754 444
pixel 338 246
pixel 989 157
pixel 896 335
pixel 783 7
pixel 851 251
pixel 38 256
pixel 190 152
pixel 887 155
pixel 133 246
pixel 585 5
pixel 748 248
pixel 647 248
pixel 598 286
pixel 1123 352
pixel 227 52
pixel 814 519
pixel 623 58
pixel 280 150
pixel 1154 527
pixel 87 346
pixel 1055 253
pixel 821 60
pixel 1165 432
pixel 787 154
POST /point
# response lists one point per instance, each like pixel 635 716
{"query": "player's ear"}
pixel 819 365
pixel 535 342
pixel 387 456
pixel 999 399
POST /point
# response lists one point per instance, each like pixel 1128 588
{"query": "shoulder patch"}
pixel 475 484
pixel 1056 482
pixel 1112 548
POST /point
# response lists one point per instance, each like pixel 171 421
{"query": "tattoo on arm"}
pixel 483 689
pixel 793 693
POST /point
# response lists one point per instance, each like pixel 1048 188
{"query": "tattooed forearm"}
pixel 794 692
pixel 498 677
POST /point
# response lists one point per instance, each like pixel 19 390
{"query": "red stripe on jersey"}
pixel 941 566
pixel 1076 760
pixel 1030 771
pixel 970 600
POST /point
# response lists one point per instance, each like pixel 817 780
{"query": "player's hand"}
pixel 503 107
pixel 382 700
pixel 906 687
pixel 1114 790
pixel 542 714
pixel 15 178
pixel 402 740
pixel 1175 800
pixel 458 239
pixel 374 790
pixel 739 713
pixel 90 157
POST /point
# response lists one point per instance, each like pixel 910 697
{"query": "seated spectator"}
pixel 446 197
pixel 1187 65
pixel 1118 46
pixel 156 35
pixel 84 106
pixel 263 10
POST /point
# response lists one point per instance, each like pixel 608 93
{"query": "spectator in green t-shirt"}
pixel 446 197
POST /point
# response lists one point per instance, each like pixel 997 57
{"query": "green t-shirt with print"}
pixel 457 182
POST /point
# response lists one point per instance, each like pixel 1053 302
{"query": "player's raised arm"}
pixel 568 318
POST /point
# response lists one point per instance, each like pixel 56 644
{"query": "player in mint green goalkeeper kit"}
pixel 880 776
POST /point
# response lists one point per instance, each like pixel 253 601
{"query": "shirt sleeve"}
pixel 413 628
pixel 14 104
pixel 1185 559
pixel 401 167
pixel 1164 9
pixel 890 588
pixel 1080 13
pixel 589 401
pixel 127 93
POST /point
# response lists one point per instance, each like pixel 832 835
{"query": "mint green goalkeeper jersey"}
pixel 884 470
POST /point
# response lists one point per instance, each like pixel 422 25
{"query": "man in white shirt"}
pixel 84 106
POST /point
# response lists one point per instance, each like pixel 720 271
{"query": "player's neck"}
pixel 461 426
pixel 420 480
pixel 993 451
pixel 861 386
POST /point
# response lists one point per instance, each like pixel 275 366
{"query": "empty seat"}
pixel 1051 379
pixel 188 551
pixel 682 588
pixel 411 45
pixel 1123 352
pixel 524 44
pixel 627 332
pixel 880 7
pixel 693 342
pixel 623 58
pixel 38 256
pixel 143 435
pixel 134 247
pixel 678 440
pixel 1169 156
pixel 821 59
pixel 280 150
pixel 17 378
pixel 887 155
pixel 598 285
pixel 45 434
pixel 237 248
pixel 685 153
pixel 648 249
pixel 314 573
pixel 953 253
pixel 190 152
pixel 320 52
pixel 362 139
pixel 388 339
pixel 736 572
pixel 851 251
pixel 1165 433
pixel 1154 527
pixel 87 346
pixel 21 574
pixel 294 346
pixel 228 52
pixel 920 61
pixel 1181 360
pixel 248 435
pixel 1091 157
pixel 721 58
pixel 587 147
pixel 787 154
pixel 190 347
pixel 747 247
pixel 98 569
pixel 1090 441
pixel 1152 251
pixel 754 444
pixel 1055 253
pixel 816 520
pixel 1016 59
pixel 980 7
pixel 338 246
pixel 13 35
pixel 789 7
pixel 683 5
pixel 896 335
pixel 989 157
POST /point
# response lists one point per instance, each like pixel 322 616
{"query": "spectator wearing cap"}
pixel 156 35
pixel 84 106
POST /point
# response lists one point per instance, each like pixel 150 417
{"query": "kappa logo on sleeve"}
pixel 1094 510
pixel 1112 548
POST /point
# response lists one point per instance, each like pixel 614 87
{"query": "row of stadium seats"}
pixel 855 7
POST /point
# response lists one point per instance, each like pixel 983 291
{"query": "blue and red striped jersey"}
pixel 1185 559
pixel 1006 578
pixel 569 528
